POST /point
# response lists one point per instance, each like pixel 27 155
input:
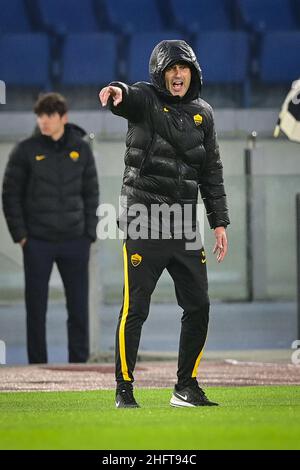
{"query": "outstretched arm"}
pixel 116 93
pixel 129 102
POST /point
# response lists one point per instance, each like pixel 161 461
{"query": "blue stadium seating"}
pixel 68 16
pixel 134 16
pixel 89 59
pixel 25 59
pixel 140 48
pixel 202 15
pixel 296 10
pixel 280 57
pixel 268 15
pixel 14 17
pixel 223 56
pixel 224 59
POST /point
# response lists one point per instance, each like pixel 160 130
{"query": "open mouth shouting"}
pixel 177 86
pixel 178 79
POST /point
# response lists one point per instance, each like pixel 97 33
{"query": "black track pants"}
pixel 144 262
pixel 72 258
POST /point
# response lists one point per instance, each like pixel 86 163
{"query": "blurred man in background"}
pixel 50 198
pixel 171 151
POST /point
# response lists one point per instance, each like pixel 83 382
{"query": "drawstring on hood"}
pixel 170 52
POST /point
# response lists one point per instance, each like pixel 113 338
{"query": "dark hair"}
pixel 50 103
pixel 178 62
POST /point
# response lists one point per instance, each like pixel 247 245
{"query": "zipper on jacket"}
pixel 180 115
pixel 60 213
pixel 59 177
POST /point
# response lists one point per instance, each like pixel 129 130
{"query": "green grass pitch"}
pixel 248 418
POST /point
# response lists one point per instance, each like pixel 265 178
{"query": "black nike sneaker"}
pixel 190 396
pixel 125 398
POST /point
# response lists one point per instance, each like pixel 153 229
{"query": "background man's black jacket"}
pixel 171 141
pixel 50 189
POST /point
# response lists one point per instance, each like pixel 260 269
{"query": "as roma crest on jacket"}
pixel 198 119
pixel 136 259
pixel 74 155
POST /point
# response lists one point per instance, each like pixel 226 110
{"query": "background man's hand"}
pixel 221 243
pixel 111 91
pixel 22 242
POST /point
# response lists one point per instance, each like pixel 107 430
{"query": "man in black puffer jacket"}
pixel 50 198
pixel 171 152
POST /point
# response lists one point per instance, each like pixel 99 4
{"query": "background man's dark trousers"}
pixel 144 262
pixel 72 259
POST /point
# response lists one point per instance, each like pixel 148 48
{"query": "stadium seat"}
pixel 89 59
pixel 134 16
pixel 14 17
pixel 68 16
pixel 268 15
pixel 296 10
pixel 25 59
pixel 223 56
pixel 202 15
pixel 140 48
pixel 280 63
pixel 224 59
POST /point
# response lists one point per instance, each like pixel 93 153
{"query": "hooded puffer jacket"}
pixel 50 188
pixel 171 141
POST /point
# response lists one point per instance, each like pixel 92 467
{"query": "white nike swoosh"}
pixel 184 397
pixel 117 404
